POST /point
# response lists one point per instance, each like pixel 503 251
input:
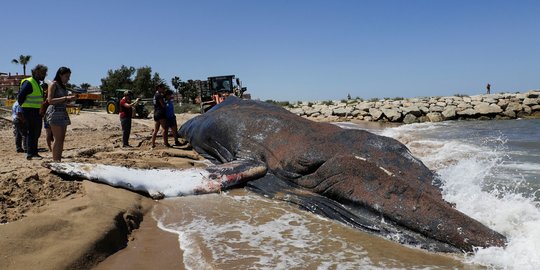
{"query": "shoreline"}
pixel 148 241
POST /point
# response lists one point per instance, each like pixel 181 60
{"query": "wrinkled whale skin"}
pixel 355 168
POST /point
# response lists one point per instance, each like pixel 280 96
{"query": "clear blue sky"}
pixel 288 50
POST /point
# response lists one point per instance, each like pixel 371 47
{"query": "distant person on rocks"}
pixel 126 114
pixel 171 117
pixel 488 88
pixel 57 116
pixel 30 99
pixel 160 117
pixel 19 127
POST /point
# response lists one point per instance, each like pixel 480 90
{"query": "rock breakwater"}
pixel 431 109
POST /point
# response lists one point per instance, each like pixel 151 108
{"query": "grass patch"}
pixel 328 103
pixel 187 108
pixel 280 103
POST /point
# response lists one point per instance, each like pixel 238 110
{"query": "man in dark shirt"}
pixel 27 98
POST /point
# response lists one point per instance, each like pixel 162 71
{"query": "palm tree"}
pixel 23 60
pixel 85 86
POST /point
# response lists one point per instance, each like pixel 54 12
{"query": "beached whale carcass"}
pixel 362 179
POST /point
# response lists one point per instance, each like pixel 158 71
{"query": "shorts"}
pixel 159 115
pixel 171 121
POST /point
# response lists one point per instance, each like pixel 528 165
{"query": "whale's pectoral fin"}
pixel 274 187
pixel 236 172
pixel 159 183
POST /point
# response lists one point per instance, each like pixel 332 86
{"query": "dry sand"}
pixel 52 223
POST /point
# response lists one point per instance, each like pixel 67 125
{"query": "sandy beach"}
pixel 52 223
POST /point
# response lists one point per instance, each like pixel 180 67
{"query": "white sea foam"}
pixel 523 167
pixel 288 240
pixel 464 171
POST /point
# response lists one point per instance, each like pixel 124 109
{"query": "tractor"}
pixel 113 104
pixel 216 89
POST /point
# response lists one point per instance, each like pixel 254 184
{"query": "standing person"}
pixel 488 88
pixel 30 99
pixel 57 116
pixel 171 117
pixel 42 112
pixel 159 115
pixel 19 128
pixel 126 113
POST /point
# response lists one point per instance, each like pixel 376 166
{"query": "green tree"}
pixel 156 80
pixel 23 60
pixel 188 91
pixel 143 84
pixel 85 86
pixel 117 79
pixel 176 82
pixel 71 86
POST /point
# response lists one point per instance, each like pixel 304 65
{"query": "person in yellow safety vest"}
pixel 30 98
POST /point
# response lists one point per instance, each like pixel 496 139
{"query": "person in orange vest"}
pixel 30 98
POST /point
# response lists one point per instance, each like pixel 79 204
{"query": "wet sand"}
pixel 151 248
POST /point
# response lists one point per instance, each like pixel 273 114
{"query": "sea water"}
pixel 489 169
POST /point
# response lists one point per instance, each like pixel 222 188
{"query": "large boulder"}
pixel 410 118
pixel 310 111
pixel 464 105
pixel 530 101
pixel 449 113
pixel 514 106
pixel 434 117
pixel 392 114
pixel 441 104
pixel 503 103
pixel 509 113
pixel 364 106
pixel 490 100
pixel 326 111
pixel 467 112
pixel 436 108
pixel 533 94
pixel 297 111
pixel 525 112
pixel 375 114
pixel 486 108
pixel 343 111
pixel 414 110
